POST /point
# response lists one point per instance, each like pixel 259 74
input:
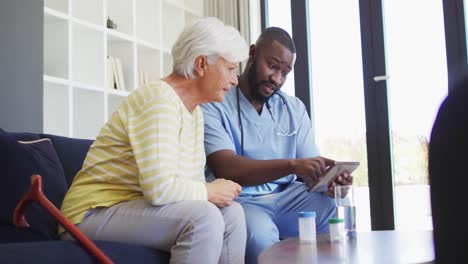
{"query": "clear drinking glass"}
pixel 345 208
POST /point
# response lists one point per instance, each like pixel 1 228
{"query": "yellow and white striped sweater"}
pixel 151 148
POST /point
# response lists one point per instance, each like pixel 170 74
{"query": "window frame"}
pixel 381 184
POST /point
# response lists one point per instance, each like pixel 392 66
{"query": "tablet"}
pixel 331 173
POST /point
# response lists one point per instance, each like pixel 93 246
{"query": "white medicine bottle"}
pixel 307 226
pixel 336 229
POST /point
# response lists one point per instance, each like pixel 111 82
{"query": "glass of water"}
pixel 345 208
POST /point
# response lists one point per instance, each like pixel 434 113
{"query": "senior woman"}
pixel 142 181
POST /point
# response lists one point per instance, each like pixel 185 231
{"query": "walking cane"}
pixel 35 194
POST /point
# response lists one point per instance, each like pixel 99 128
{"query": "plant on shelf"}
pixel 111 24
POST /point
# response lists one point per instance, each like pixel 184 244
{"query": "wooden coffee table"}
pixel 368 247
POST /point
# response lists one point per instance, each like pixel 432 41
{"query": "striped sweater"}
pixel 151 148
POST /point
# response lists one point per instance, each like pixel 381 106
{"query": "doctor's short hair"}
pixel 209 37
pixel 276 34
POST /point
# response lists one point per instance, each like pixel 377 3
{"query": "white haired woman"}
pixel 142 181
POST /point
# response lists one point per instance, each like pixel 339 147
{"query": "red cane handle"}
pixel 19 216
pixel 35 194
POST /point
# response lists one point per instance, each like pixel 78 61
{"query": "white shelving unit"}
pixel 77 94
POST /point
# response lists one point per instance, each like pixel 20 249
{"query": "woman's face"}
pixel 218 78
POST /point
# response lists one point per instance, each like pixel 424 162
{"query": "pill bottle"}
pixel 337 231
pixel 307 226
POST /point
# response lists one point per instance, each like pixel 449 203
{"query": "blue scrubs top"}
pixel 263 140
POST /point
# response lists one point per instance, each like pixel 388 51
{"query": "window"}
pixel 279 15
pixel 379 112
pixel 416 65
pixel 338 91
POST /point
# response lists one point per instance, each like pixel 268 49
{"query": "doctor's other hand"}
pixel 343 179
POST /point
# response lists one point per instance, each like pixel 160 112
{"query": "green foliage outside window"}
pixel 409 157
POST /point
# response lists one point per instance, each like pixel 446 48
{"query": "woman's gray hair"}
pixel 208 37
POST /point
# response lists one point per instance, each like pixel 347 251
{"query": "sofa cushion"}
pixel 18 161
pixel 70 252
pixel 71 152
pixel 11 234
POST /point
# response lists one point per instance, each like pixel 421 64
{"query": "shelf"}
pixel 176 3
pixel 56 113
pixel 58 5
pixel 55 46
pixel 118 36
pixel 56 80
pixel 85 86
pixel 114 103
pixel 148 60
pixel 78 98
pixel 148 45
pixel 118 93
pixel 88 25
pixel 123 50
pixel 88 113
pixel 88 56
pixel 120 12
pixel 89 10
pixel 167 64
pixel 55 13
pixel 190 18
pixel 195 7
pixel 148 21
pixel 173 16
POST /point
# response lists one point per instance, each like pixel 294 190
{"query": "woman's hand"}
pixel 222 192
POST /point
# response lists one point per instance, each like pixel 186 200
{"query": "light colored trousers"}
pixel 192 231
pixel 273 216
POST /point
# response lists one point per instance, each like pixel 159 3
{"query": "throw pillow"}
pixel 72 161
pixel 18 161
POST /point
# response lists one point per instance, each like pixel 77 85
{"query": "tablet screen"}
pixel 331 173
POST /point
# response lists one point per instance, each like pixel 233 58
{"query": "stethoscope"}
pixel 281 131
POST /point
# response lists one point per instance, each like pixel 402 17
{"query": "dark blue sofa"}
pixel 57 160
